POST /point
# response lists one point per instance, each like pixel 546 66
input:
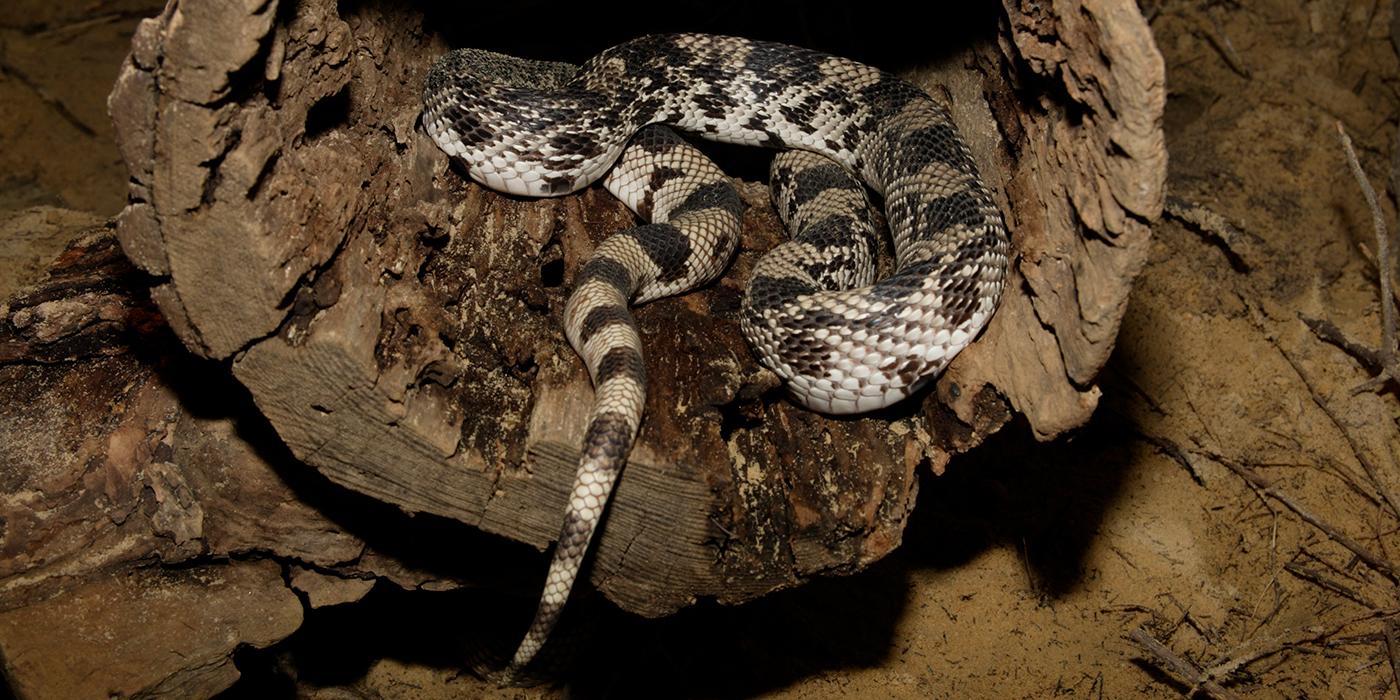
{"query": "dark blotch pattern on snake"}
pixel 842 341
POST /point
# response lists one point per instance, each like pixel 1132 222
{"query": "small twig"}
pixel 1326 582
pixel 1215 228
pixel 1180 667
pixel 1311 635
pixel 1267 488
pixel 1387 349
pixel 1346 476
pixel 1207 426
pixel 1024 551
pixel 1192 622
pixel 1174 451
pixel 1355 640
pixel 54 103
pixel 1274 587
pixel 1127 378
pixel 1372 472
pixel 1328 332
pixel 1395 154
pixel 1370 259
pixel 1392 647
pixel 1215 34
pixel 1340 571
pixel 1158 619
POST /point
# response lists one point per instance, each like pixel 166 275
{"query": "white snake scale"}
pixel 842 341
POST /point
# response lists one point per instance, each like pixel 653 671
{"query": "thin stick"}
pixel 1215 228
pixel 1356 450
pixel 54 103
pixel 1181 667
pixel 1262 650
pixel 1221 42
pixel 1267 488
pixel 1382 251
pixel 1328 583
pixel 1392 648
pixel 1173 451
pixel 1345 475
pixel 1330 333
pixel 1341 571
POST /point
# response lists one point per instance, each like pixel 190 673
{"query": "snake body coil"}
pixel 842 341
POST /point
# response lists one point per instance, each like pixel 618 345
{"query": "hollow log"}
pixel 399 326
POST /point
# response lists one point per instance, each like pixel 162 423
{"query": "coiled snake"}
pixel 814 313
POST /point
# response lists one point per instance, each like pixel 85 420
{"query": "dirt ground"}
pixel 1026 566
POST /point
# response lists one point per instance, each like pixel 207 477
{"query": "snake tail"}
pixel 694 213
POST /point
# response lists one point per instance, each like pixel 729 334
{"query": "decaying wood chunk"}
pixel 399 326
pixel 148 514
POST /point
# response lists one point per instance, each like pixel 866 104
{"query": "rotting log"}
pixel 399 326
pixel 106 472
pixel 149 520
